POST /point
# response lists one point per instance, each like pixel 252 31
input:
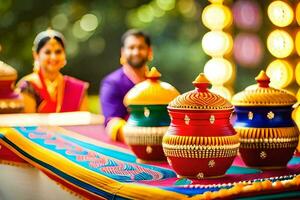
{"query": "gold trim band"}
pixel 280 132
pixel 144 135
pixel 199 141
pixel 202 152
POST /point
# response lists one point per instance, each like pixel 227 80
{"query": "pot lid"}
pixel 152 91
pixel 7 72
pixel 261 94
pixel 200 98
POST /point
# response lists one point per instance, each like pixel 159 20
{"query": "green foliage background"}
pixel 174 25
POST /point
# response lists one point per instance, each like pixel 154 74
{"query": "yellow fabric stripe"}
pixel 39 166
pixel 102 182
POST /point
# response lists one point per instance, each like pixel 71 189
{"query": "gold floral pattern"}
pixel 270 115
pixel 250 115
pixel 200 175
pixel 146 112
pixel 149 149
pixel 212 119
pixel 187 120
pixel 211 163
pixel 263 155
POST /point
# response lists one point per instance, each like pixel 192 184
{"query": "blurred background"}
pixel 93 29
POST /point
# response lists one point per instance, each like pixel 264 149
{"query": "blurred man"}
pixel 136 51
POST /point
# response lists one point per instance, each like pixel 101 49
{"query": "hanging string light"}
pixel 280 44
pixel 217 43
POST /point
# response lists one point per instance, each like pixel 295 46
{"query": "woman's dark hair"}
pixel 137 33
pixel 44 40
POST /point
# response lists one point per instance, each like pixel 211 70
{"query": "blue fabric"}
pixel 294 161
pixel 73 150
pixel 242 170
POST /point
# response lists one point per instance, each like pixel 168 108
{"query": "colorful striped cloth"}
pixel 99 169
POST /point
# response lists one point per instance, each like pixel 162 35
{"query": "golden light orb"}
pixel 281 73
pixel 223 91
pixel 216 1
pixel 280 43
pixel 280 13
pixel 217 43
pixel 297 42
pixel 298 13
pixel 218 71
pixel 216 17
pixel 297 73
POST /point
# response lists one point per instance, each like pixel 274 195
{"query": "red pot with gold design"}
pixel 200 142
pixel 148 120
pixel 268 134
pixel 10 100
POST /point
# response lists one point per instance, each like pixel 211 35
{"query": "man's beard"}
pixel 137 64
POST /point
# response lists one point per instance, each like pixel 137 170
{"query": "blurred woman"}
pixel 46 90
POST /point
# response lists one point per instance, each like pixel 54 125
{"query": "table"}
pixel 87 164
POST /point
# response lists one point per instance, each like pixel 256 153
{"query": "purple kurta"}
pixel 112 91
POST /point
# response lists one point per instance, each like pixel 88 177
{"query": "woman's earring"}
pixel 122 60
pixel 150 57
pixel 36 65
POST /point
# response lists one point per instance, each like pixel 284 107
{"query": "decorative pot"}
pixel 268 135
pixel 149 120
pixel 200 142
pixel 10 100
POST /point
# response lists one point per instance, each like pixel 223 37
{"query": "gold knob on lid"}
pixel 153 74
pixel 262 79
pixel 201 82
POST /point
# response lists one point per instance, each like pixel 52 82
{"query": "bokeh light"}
pixel 89 22
pixel 280 43
pixel 297 42
pixel 247 15
pixel 297 73
pixel 145 13
pixel 281 73
pixel 166 4
pixel 216 16
pixel 59 21
pixel 187 8
pixel 225 92
pixel 298 13
pixel 217 43
pixel 280 13
pixel 216 1
pixel 298 95
pixel 72 48
pixel 157 11
pixel 218 71
pixel 248 49
pixel 79 33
